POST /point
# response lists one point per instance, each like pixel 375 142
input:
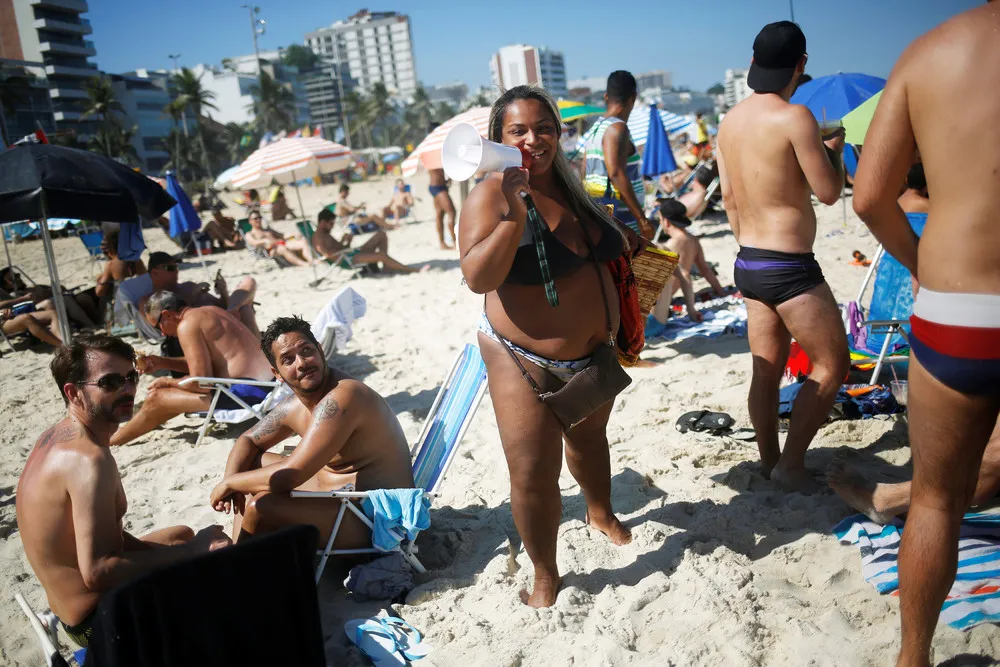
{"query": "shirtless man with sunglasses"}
pixel 70 498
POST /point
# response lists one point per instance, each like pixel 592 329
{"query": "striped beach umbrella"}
pixel 638 127
pixel 428 153
pixel 289 160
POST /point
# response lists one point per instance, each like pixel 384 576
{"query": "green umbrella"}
pixel 856 122
pixel 570 114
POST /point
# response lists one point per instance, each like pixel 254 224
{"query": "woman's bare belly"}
pixel 571 330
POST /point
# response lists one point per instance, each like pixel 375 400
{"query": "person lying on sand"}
pixel 401 202
pixel 41 324
pixel 349 434
pixel 215 344
pixel 80 308
pixel 70 499
pixel 373 251
pixel 674 222
pixel 772 157
pixel 293 251
pixel 164 273
pixel 880 502
pixel 357 214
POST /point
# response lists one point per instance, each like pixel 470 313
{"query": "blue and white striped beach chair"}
pixel 446 424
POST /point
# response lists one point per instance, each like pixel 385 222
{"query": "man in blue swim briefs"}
pixel 215 344
pixel 954 392
pixel 771 158
pixel 444 207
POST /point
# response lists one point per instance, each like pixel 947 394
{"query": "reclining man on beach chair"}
pixel 70 499
pixel 215 344
pixel 349 436
pixel 293 251
pixel 164 271
pixel 357 215
pixel 373 251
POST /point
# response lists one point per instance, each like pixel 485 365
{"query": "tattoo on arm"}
pixel 270 423
pixel 328 408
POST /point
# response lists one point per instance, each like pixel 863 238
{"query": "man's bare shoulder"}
pixel 66 446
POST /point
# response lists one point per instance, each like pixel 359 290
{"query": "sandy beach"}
pixel 724 568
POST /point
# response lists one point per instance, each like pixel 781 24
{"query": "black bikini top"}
pixel 560 260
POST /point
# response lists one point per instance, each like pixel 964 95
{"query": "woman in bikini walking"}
pixel 539 262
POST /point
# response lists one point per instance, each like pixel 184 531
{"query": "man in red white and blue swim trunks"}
pixel 954 394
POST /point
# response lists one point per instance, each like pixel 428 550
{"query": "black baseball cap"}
pixel 675 212
pixel 776 52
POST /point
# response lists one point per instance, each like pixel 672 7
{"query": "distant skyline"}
pixel 454 41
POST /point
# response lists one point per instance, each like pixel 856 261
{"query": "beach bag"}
pixel 632 323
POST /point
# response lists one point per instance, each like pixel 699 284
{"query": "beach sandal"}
pixel 688 420
pixel 860 259
pixel 699 421
pixel 408 638
pixel 376 640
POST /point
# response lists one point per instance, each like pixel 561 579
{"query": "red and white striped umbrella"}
pixel 428 153
pixel 291 159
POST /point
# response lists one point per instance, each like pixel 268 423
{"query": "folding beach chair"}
pixel 446 424
pixel 882 336
pixel 257 253
pixel 341 262
pixel 127 297
pixel 45 626
pixel 222 386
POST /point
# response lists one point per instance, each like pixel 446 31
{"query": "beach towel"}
pixel 716 323
pixel 332 325
pixel 849 403
pixel 974 597
pixel 130 242
pixel 396 508
pixel 382 579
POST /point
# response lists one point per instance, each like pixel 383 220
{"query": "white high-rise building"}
pixel 655 79
pixel 375 46
pixel 736 89
pixel 520 64
pixel 51 32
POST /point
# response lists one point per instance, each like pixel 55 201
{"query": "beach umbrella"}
pixel 290 160
pixel 41 180
pixel 183 218
pixel 571 113
pixel 638 126
pixel 833 97
pixel 225 178
pixel 657 158
pixel 856 123
pixel 427 154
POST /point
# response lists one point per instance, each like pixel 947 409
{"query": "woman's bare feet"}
pixel 858 492
pixel 445 246
pixel 612 528
pixel 543 593
pixel 798 480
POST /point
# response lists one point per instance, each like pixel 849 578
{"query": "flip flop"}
pixel 714 422
pixel 375 640
pixel 409 643
pixel 689 420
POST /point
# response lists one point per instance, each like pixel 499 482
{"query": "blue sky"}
pixel 695 39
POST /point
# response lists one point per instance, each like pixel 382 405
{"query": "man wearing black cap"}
pixel 934 101
pixel 771 158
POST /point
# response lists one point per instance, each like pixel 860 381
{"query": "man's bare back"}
pixel 762 142
pixel 233 351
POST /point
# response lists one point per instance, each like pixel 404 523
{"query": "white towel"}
pixel 332 324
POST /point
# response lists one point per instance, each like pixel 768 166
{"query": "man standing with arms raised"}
pixel 954 378
pixel 771 159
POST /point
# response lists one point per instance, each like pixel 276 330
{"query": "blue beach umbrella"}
pixel 657 157
pixel 836 95
pixel 183 218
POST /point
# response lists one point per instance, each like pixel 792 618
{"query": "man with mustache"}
pixel 349 433
pixel 70 498
pixel 215 343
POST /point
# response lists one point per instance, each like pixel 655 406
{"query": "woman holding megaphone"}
pixel 535 245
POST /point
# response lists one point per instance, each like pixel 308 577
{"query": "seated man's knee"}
pixel 183 534
pixel 259 505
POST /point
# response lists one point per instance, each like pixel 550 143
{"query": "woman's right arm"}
pixel 490 228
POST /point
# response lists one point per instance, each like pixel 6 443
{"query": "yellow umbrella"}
pixel 856 122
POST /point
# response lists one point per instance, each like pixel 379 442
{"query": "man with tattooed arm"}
pixel 70 498
pixel 349 434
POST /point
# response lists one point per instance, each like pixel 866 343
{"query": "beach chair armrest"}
pixel 225 382
pixel 341 494
pixel 883 323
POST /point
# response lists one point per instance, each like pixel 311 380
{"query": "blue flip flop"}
pixel 375 639
pixel 410 643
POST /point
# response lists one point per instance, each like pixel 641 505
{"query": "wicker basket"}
pixel 652 268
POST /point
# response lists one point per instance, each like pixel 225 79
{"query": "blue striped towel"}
pixel 974 598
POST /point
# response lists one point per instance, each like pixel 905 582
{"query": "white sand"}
pixel 724 568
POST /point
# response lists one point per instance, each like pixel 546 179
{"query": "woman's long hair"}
pixel 566 178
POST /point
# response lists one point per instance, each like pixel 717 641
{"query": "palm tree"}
pixel 175 110
pixel 115 141
pixel 101 101
pixel 354 108
pixel 236 140
pixel 478 100
pixel 443 112
pixel 188 86
pixel 379 109
pixel 273 105
pixel 421 108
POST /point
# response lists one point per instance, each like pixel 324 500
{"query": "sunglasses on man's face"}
pixel 115 381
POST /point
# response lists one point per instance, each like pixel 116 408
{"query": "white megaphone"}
pixel 465 153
